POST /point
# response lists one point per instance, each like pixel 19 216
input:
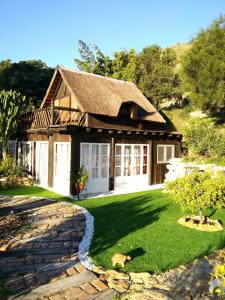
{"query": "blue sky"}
pixel 50 29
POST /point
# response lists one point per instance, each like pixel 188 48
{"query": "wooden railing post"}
pixel 52 113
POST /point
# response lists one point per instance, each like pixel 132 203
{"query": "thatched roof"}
pixel 101 95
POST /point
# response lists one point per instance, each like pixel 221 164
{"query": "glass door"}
pixel 95 160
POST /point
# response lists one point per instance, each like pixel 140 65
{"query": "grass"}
pixel 144 226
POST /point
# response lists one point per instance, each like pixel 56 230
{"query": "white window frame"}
pixel 56 165
pixel 165 146
pixel 29 168
pixel 99 159
pixel 12 148
pixel 132 165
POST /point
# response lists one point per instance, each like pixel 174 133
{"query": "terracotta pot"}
pixel 79 187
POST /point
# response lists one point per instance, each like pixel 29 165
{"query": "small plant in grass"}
pixel 198 191
pixel 217 285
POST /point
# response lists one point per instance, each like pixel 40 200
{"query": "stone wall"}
pixel 10 181
pixel 177 168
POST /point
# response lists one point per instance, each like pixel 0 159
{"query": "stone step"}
pixel 25 252
pixel 106 295
pixel 46 239
pixel 60 285
pixel 44 267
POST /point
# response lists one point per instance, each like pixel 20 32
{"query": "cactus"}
pixel 11 105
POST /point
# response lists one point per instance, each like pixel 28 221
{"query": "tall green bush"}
pixel 203 140
pixel 198 191
pixel 12 104
pixel 9 166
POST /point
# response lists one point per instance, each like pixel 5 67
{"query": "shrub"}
pixel 9 166
pixel 198 191
pixel 204 141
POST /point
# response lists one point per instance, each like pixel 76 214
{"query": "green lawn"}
pixel 144 226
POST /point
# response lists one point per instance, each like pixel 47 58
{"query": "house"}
pixel 103 124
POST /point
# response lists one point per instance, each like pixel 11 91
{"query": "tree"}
pixel 30 78
pixel 121 66
pixel 124 65
pixel 198 191
pixel 93 61
pixel 155 74
pixel 203 68
pixel 11 104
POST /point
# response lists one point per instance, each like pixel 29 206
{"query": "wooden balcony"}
pixel 53 117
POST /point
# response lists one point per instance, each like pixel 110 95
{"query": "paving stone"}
pixel 57 297
pixel 88 288
pixel 100 286
pixel 80 268
pixel 71 271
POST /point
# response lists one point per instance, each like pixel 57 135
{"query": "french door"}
pixel 95 160
pixel 131 166
pixel 42 163
pixel 62 158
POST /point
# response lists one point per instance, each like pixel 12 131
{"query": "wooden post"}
pixel 112 164
pixel 75 159
pixel 52 113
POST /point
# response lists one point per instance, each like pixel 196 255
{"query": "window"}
pixel 26 155
pixel 85 156
pixel 104 161
pixel 118 160
pixel 95 159
pixel 131 160
pixel 127 161
pixel 165 153
pixel 12 148
pixel 137 160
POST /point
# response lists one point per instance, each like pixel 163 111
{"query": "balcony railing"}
pixel 53 116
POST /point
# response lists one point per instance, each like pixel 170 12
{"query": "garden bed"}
pixel 10 181
pixel 208 225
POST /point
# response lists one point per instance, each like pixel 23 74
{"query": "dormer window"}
pixel 129 110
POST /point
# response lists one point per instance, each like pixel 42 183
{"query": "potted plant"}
pixel 79 179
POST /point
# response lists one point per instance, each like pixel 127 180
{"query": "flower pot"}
pixel 79 187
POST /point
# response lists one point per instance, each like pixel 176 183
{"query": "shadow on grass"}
pixel 136 252
pixel 116 220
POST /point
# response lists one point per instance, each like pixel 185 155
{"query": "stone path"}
pixel 41 261
pixel 186 282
